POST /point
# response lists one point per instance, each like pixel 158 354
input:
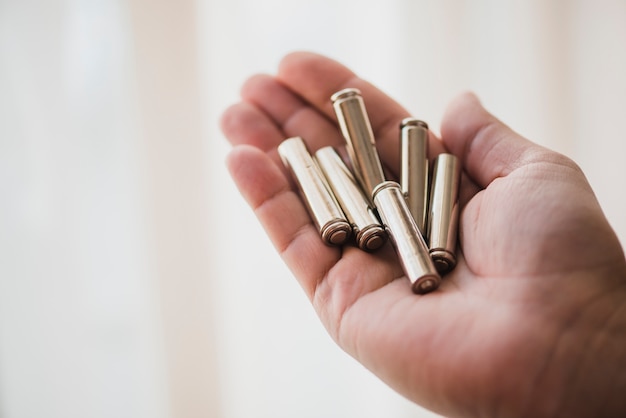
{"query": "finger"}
pixel 315 78
pixel 467 190
pixel 274 98
pixel 244 123
pixel 488 149
pixel 334 281
pixel 283 216
pixel 288 111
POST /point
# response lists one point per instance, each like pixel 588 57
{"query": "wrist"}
pixel 586 372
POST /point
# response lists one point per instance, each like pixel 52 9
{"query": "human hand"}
pixel 532 322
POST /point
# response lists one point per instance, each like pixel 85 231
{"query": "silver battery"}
pixel 407 239
pixel 323 208
pixel 368 232
pixel 357 131
pixel 414 168
pixel 386 195
pixel 443 212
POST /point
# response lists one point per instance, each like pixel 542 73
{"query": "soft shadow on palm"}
pixel 446 350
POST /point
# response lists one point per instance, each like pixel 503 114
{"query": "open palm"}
pixel 541 276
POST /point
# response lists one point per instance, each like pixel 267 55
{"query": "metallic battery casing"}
pixel 368 232
pixel 414 168
pixel 357 131
pixel 443 213
pixel 407 239
pixel 323 208
pixel 386 196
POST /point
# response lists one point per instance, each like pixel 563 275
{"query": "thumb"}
pixel 488 149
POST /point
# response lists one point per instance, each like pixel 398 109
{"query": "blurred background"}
pixel 135 282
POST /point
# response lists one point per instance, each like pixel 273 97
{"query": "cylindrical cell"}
pixel 408 241
pixel 357 131
pixel 367 230
pixel 443 212
pixel 323 208
pixel 414 168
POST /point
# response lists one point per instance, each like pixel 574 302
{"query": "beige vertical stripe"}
pixel 170 111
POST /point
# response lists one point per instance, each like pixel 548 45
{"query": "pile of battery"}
pixel 419 214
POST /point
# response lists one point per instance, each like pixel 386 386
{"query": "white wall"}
pixel 79 317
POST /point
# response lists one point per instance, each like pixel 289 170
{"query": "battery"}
pixel 414 168
pixel 408 241
pixel 443 212
pixel 357 131
pixel 386 196
pixel 366 228
pixel 315 191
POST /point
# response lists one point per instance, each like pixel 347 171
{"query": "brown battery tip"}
pixel 425 285
pixel 413 122
pixel 345 93
pixel 372 238
pixel 443 260
pixel 336 232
